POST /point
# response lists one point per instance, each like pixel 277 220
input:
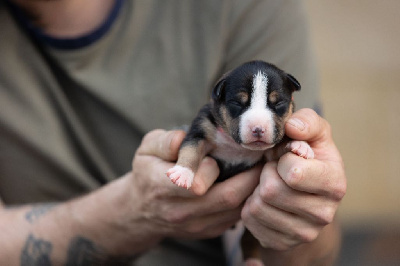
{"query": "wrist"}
pixel 112 218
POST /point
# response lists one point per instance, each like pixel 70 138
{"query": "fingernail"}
pixel 297 123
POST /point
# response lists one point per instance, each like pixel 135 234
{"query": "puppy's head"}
pixel 253 102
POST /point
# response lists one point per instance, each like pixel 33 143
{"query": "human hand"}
pixel 204 211
pixel 298 197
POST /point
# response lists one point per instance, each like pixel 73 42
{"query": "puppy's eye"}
pixel 235 108
pixel 235 103
pixel 280 104
pixel 281 107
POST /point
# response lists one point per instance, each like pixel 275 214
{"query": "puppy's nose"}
pixel 258 132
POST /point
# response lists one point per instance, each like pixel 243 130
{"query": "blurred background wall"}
pixel 358 48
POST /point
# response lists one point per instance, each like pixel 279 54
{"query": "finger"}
pixel 293 226
pixel 205 176
pixel 273 228
pixel 307 125
pixel 313 176
pixel 271 239
pixel 274 191
pixel 234 191
pixel 226 195
pixel 209 225
pixel 150 173
pixel 163 144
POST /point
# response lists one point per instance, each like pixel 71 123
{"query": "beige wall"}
pixel 358 43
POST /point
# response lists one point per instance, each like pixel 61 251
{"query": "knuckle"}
pixel 269 191
pixel 339 191
pixel 176 217
pixel 245 214
pixel 158 193
pixel 230 198
pixel 176 140
pixel 147 143
pixel 326 216
pixel 199 190
pixel 150 135
pixel 255 208
pixel 306 236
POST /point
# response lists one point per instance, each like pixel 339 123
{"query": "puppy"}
pixel 242 125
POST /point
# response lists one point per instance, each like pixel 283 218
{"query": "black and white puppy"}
pixel 242 125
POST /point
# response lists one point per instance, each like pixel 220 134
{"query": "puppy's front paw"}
pixel 181 176
pixel 301 148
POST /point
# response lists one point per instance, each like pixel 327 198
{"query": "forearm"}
pixel 88 228
pixel 28 235
pixel 322 251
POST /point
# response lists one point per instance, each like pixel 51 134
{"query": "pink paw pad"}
pixel 301 148
pixel 181 176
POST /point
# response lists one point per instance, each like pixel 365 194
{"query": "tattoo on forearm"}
pixel 36 252
pixel 83 252
pixel 38 211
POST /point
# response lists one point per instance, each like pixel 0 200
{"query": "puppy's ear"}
pixel 295 83
pixel 218 90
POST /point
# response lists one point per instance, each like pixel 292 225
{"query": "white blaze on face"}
pixel 258 115
pixel 260 90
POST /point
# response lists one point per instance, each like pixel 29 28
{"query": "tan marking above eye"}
pixel 243 97
pixel 273 97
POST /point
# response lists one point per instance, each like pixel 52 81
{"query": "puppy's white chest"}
pixel 231 152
